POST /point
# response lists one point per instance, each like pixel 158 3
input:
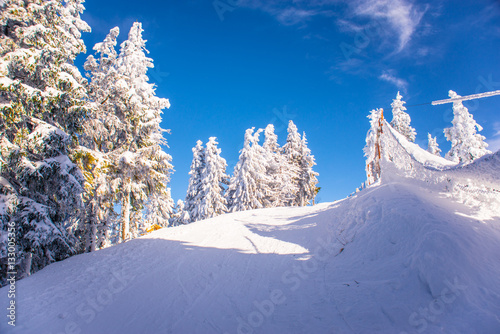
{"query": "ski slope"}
pixel 418 252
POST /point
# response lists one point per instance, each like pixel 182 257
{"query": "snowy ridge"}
pixel 402 256
pixel 476 184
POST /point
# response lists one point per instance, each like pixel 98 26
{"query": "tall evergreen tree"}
pixel 432 145
pixel 103 133
pixel 372 148
pixel 466 144
pixel 401 120
pixel 308 177
pixel 105 126
pixel 248 187
pixel 293 153
pixel 41 115
pixel 140 167
pixel 193 196
pixel 279 172
pixel 213 181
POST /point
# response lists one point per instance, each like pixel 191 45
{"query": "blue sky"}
pixel 229 65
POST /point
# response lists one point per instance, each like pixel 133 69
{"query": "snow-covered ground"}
pixel 418 252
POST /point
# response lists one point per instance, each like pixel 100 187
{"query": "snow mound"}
pixel 415 253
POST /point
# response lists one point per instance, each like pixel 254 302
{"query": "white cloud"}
pixel 402 16
pixel 398 82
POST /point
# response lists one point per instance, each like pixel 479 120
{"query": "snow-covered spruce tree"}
pixel 401 120
pixel 300 163
pixel 104 132
pixel 308 177
pixel 372 148
pixel 213 182
pixel 248 188
pixel 466 144
pixel 282 189
pixel 140 168
pixel 41 113
pixel 105 126
pixel 194 191
pixel 432 145
pixel 292 151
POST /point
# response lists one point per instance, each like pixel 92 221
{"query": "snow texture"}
pixel 416 252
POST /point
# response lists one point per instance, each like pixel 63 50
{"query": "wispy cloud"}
pixel 289 12
pixel 398 82
pixel 291 16
pixel 402 16
pixel 364 35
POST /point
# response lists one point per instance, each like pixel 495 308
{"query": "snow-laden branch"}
pixel 466 98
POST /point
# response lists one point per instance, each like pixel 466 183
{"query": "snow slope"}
pixel 418 252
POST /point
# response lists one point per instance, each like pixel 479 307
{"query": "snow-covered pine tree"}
pixel 194 191
pixel 103 133
pixel 213 181
pixel 282 189
pixel 466 144
pixel 299 166
pixel 140 167
pixel 248 188
pixel 432 145
pixel 308 177
pixel 105 128
pixel 372 148
pixel 41 113
pixel 401 120
pixel 293 153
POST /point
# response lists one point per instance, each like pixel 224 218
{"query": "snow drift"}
pixel 418 252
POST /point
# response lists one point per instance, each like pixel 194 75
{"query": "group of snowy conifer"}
pixel 265 176
pixel 466 144
pixel 72 149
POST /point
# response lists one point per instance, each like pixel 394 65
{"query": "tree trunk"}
pixel 126 214
pixel 94 237
pixel 27 265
